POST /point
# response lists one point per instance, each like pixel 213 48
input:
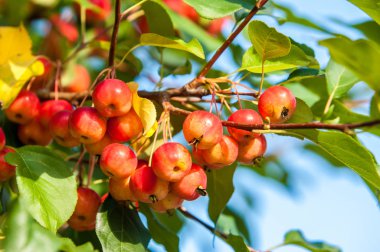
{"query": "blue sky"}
pixel 330 204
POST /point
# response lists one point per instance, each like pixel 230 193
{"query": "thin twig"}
pixel 111 56
pixel 229 40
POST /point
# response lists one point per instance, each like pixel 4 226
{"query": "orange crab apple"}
pixel 80 81
pixel 251 150
pixel 171 201
pixel 277 104
pixel 146 186
pixel 202 129
pixel 171 161
pixel 125 127
pixel 120 190
pixel 34 133
pixel 112 97
pixel 221 154
pixel 24 108
pixel 244 116
pixel 118 161
pixel 87 125
pixel 98 147
pixel 192 185
pixel 87 206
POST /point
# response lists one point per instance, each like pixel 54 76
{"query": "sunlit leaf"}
pixel 371 7
pixel 17 65
pixel 267 42
pixel 339 79
pixel 295 237
pixel 193 47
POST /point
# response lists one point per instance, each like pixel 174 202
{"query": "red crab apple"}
pixel 98 147
pixel 202 129
pixel 251 150
pixel 192 185
pixel 244 116
pixel 49 108
pixel 146 186
pixel 221 154
pixel 171 161
pixel 79 82
pixel 6 170
pixel 34 133
pixel 87 125
pixel 120 190
pixel 24 108
pixel 2 139
pixel 40 81
pixel 183 9
pixel 125 127
pixel 118 161
pixel 67 29
pixel 104 9
pixel 171 201
pixel 112 98
pixel 277 104
pixel 87 206
pixel 59 129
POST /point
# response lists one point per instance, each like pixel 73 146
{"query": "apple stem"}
pixel 91 169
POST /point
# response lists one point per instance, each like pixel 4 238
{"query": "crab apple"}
pixel 120 190
pixel 125 127
pixel 277 104
pixel 171 201
pixel 198 157
pixel 24 108
pixel 59 129
pixel 203 129
pixel 2 139
pixel 112 97
pixel 183 9
pixel 80 81
pixel 221 154
pixel 34 133
pixel 98 147
pixel 67 29
pixel 118 161
pixel 251 150
pixel 103 10
pixel 40 81
pixel 215 26
pixel 192 185
pixel 171 161
pixel 6 170
pixel 87 125
pixel 87 206
pixel 49 108
pixel 244 116
pixel 146 186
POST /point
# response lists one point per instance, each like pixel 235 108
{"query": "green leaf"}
pixel 193 47
pixel 237 243
pixel 347 150
pixel 296 58
pixel 371 7
pixel 302 114
pixel 220 189
pixel 46 184
pixel 375 106
pixel 230 222
pixel 23 234
pixel 295 237
pixel 212 9
pixel 267 42
pixel 158 19
pixel 339 79
pixel 370 29
pixel 120 229
pixel 68 245
pixel 362 57
pixel 159 232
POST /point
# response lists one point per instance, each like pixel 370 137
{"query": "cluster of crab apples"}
pixel 171 177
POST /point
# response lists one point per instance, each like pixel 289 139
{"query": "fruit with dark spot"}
pixel 193 185
pixel 251 151
pixel 24 108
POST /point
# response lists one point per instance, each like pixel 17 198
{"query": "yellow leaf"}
pixel 145 109
pixel 17 64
